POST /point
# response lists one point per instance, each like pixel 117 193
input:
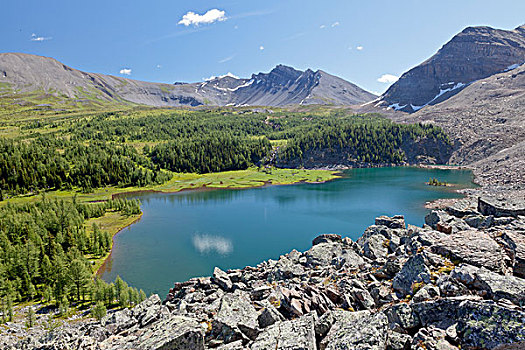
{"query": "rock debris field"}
pixel 457 282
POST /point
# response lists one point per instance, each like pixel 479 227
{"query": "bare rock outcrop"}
pixel 398 287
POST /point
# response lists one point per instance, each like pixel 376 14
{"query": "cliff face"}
pixel 457 282
pixel 475 53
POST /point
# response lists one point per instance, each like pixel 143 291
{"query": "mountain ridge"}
pixel 282 86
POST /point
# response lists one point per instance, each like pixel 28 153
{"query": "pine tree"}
pixel 79 275
pixel 98 311
pixel 142 296
pixel 30 317
pixel 109 293
pixel 48 294
pixel 120 287
pixel 63 306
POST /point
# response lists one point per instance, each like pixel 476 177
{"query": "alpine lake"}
pixel 186 234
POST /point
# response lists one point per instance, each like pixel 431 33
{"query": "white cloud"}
pixel 209 244
pixel 159 66
pixel 261 47
pixel 192 18
pixel 360 48
pixel 322 26
pixel 226 59
pixel 125 71
pixel 387 78
pixel 35 37
pixel 335 24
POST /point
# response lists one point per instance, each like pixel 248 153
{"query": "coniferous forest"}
pixel 43 250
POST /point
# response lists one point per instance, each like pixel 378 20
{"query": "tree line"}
pixel 53 163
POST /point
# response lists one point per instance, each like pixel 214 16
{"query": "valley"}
pixel 107 180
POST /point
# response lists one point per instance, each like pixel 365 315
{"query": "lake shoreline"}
pixel 100 270
pixel 410 177
pixel 338 174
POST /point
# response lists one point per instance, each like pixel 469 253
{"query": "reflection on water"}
pixel 199 196
pixel 209 244
pixel 187 234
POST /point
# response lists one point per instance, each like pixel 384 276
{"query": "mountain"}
pixel 473 54
pixel 282 86
pixel 486 120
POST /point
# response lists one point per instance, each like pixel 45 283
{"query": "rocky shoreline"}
pixel 457 282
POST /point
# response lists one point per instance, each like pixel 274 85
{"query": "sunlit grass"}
pixel 238 179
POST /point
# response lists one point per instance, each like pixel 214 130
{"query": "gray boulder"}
pixel 269 315
pixel 221 279
pixel 286 268
pixel 437 216
pixel 175 332
pixel 497 286
pixel 488 325
pixel 397 221
pixel 398 341
pixel 501 207
pixel 327 238
pixel 236 318
pixel 514 244
pixel 414 271
pixel 403 316
pixel 297 334
pixel 432 339
pixel 324 254
pixel 356 330
pixel 148 310
pixel 375 247
pixel 426 293
pixel 479 324
pixel 119 321
pixel 475 248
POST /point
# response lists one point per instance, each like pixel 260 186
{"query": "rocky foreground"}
pixel 457 282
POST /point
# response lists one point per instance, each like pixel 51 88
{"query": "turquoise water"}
pixel 186 234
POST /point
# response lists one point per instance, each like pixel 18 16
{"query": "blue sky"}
pixel 357 40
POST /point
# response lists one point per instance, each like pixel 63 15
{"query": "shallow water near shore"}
pixel 184 235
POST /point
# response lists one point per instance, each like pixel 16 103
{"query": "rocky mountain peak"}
pixel 281 74
pixel 475 53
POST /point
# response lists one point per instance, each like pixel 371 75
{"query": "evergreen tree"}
pixel 30 317
pixel 80 276
pixel 142 296
pixel 63 306
pixel 98 311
